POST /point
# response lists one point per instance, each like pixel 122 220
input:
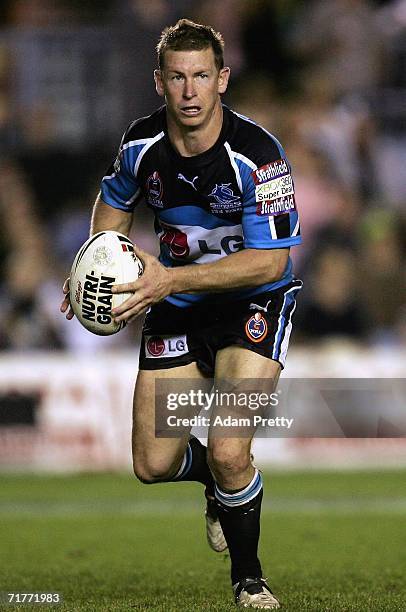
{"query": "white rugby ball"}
pixel 106 259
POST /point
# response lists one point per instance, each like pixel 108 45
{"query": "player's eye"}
pixel 204 75
pixel 177 77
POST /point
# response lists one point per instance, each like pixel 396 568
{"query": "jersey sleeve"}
pixel 119 187
pixel 270 218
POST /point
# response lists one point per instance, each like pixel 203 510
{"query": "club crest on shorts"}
pixel 256 327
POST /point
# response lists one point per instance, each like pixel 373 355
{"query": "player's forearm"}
pixel 105 217
pixel 248 268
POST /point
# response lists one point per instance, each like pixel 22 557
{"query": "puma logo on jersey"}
pixel 262 308
pixel 182 177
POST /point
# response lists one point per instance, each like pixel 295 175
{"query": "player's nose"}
pixel 189 90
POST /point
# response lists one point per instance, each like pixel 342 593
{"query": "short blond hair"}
pixel 186 35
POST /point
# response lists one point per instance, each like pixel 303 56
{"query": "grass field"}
pixel 330 541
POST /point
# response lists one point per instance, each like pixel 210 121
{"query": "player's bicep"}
pixel 106 217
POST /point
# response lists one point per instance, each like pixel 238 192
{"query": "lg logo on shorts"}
pixel 165 346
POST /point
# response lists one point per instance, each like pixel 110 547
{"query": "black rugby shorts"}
pixel 174 336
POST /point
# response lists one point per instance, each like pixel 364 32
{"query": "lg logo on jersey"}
pixel 175 240
pixel 228 245
pixel 177 243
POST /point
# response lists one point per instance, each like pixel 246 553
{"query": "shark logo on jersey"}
pixel 225 200
pixel 182 177
pixel 155 190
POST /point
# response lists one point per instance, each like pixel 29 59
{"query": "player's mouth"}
pixel 191 111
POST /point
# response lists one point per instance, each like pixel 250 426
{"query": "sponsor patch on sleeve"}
pixel 279 206
pixel 275 188
pixel 270 171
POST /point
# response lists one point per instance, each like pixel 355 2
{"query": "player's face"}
pixel 191 84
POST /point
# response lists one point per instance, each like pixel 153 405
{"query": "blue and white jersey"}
pixel 239 194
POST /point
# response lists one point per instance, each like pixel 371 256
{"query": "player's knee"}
pixel 143 476
pixel 227 462
pixel 149 471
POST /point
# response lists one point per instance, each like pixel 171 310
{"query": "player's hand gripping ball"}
pixel 106 259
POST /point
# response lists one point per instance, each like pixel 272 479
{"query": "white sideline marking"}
pixel 160 507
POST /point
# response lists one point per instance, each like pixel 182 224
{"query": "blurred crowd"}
pixel 328 78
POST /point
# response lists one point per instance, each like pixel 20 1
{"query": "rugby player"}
pixel 222 290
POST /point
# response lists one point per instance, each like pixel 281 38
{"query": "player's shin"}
pixel 194 465
pixel 239 514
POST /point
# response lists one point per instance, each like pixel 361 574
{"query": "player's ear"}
pixel 159 85
pixel 223 77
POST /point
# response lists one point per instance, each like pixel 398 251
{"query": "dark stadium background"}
pixel 328 78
